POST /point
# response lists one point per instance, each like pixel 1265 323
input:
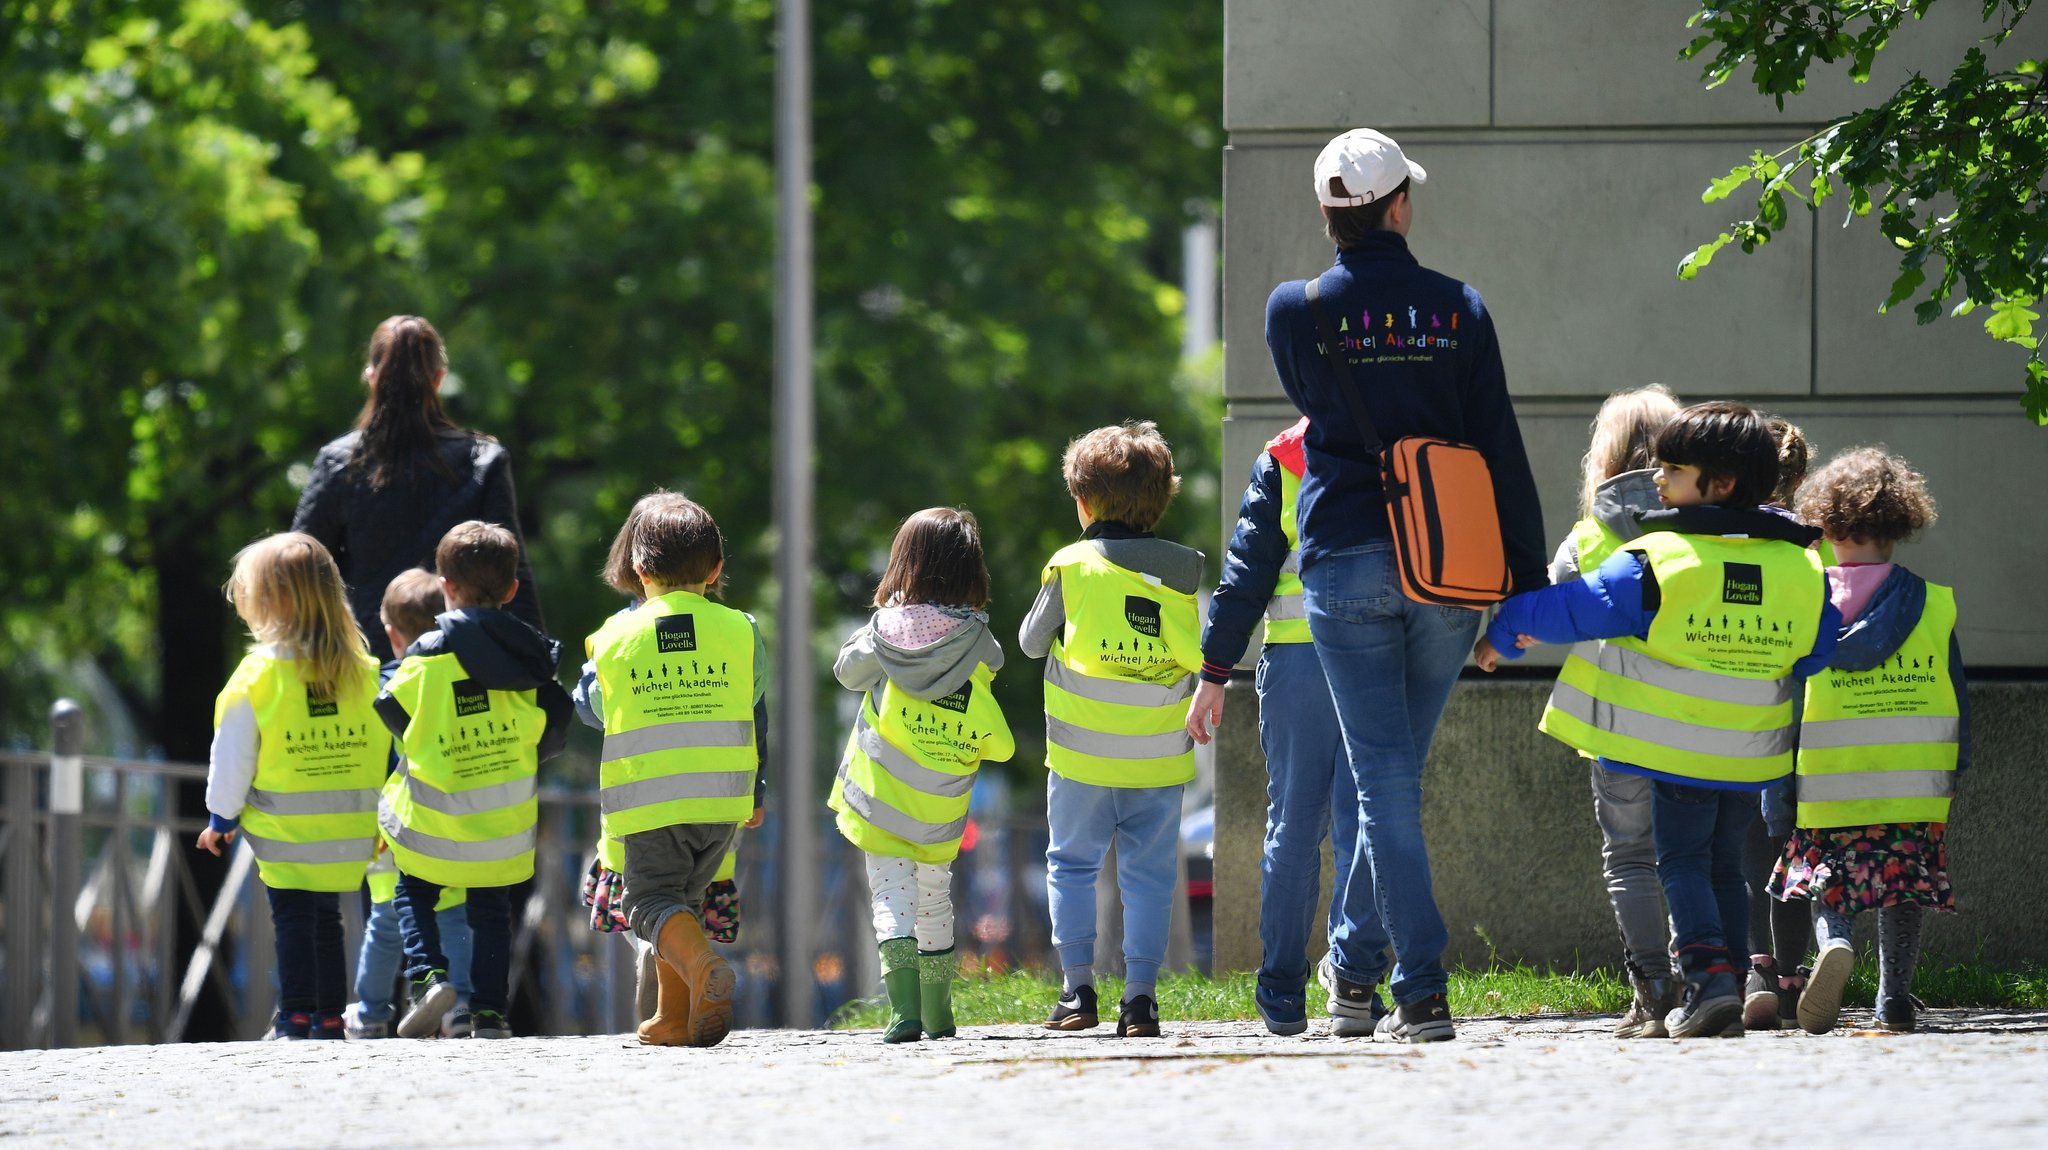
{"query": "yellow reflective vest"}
pixel 1705 695
pixel 462 806
pixel 311 814
pixel 1119 676
pixel 909 768
pixel 677 675
pixel 1880 746
pixel 1286 615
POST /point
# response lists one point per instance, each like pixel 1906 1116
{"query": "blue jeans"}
pixel 489 914
pixel 1309 794
pixel 1144 822
pixel 1391 663
pixel 312 969
pixel 1699 860
pixel 384 944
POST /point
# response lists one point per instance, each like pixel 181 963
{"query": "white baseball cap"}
pixel 1370 164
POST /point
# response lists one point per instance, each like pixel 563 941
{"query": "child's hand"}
pixel 1524 642
pixel 755 820
pixel 212 840
pixel 1205 713
pixel 1485 655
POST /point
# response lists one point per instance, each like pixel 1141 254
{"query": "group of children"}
pixel 1740 633
pixel 425 784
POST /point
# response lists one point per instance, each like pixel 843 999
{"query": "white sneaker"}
pixel 1820 1005
pixel 356 1030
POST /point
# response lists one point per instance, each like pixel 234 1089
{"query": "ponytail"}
pixel 402 420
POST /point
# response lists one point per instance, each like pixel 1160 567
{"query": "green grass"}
pixel 1028 996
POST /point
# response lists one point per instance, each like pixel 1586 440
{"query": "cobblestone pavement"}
pixel 1969 1080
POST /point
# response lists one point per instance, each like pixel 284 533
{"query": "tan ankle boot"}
pixel 683 946
pixel 670 1025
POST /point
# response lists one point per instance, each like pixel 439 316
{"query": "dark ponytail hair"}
pixel 402 420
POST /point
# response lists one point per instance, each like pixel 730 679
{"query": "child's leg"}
pixel 1080 820
pixel 1791 934
pixel 296 940
pixel 331 955
pixel 1737 812
pixel 1898 950
pixel 1628 857
pixel 415 902
pixel 935 957
pixel 490 929
pixel 1147 849
pixel 1684 820
pixel 892 891
pixel 456 941
pixel 377 963
pixel 1298 732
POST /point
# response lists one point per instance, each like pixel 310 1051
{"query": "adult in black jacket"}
pixel 381 497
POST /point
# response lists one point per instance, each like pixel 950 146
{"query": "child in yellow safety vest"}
pixel 1884 734
pixel 1118 627
pixel 297 756
pixel 1692 640
pixel 925 665
pixel 476 709
pixel 678 684
pixel 411 600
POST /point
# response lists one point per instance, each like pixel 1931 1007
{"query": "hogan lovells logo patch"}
pixel 674 633
pixel 470 699
pixel 1742 583
pixel 1142 614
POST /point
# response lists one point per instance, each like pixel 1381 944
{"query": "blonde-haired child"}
pixel 1884 733
pixel 926 666
pixel 297 757
pixel 1616 485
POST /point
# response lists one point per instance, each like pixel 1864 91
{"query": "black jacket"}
pixel 375 535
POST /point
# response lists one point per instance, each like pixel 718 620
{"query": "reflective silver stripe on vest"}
pixel 897 823
pixel 347 802
pixel 677 736
pixel 1852 786
pixel 1104 745
pixel 1292 564
pixel 1281 607
pixel 471 802
pixel 1879 731
pixel 1641 668
pixel 453 850
pixel 1117 690
pixel 325 851
pixel 905 769
pixel 676 788
pixel 1671 733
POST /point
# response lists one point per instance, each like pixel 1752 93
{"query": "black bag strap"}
pixel 1352 399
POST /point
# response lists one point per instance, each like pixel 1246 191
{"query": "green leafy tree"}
pixel 1953 168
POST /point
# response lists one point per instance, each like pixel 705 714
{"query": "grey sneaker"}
pixel 1760 994
pixel 1709 1008
pixel 1426 1021
pixel 489 1024
pixel 1820 1004
pixel 432 997
pixel 1654 998
pixel 1355 1008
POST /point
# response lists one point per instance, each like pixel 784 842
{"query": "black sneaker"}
pixel 489 1024
pixel 1426 1021
pixel 432 997
pixel 294 1027
pixel 1074 1011
pixel 1138 1018
pixel 1897 1015
pixel 1710 1006
pixel 328 1027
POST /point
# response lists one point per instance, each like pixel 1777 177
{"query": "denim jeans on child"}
pixel 1309 794
pixel 1391 663
pixel 1628 857
pixel 312 971
pixel 1144 822
pixel 378 964
pixel 489 911
pixel 1699 859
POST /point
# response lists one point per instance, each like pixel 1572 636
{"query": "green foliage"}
pixel 1953 169
pixel 218 199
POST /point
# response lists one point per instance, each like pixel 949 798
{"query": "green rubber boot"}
pixel 935 981
pixel 899 975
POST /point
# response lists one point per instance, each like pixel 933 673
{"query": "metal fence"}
pixel 99 866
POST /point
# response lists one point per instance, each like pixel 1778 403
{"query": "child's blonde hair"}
pixel 1867 495
pixel 1624 437
pixel 288 590
pixel 1795 455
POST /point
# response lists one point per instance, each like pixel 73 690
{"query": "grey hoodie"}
pixel 867 660
pixel 1616 503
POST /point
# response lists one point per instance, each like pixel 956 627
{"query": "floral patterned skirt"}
pixel 1852 869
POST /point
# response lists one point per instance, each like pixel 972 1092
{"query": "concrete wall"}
pixel 1567 149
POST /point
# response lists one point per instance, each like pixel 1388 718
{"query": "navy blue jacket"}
pixel 1422 351
pixel 1621 598
pixel 1251 569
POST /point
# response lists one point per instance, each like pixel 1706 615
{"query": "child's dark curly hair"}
pixel 1867 495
